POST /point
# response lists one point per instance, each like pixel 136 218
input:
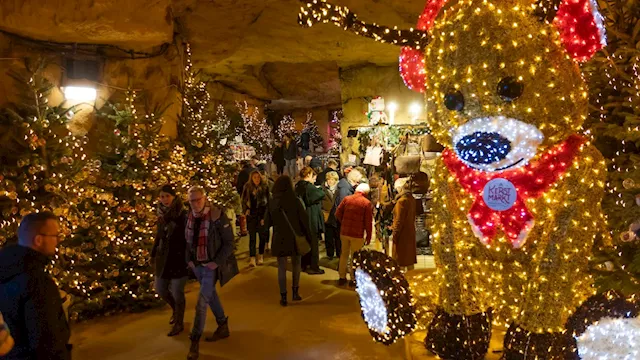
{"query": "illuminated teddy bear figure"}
pixel 517 190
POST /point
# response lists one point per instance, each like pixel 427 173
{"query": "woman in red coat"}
pixel 404 226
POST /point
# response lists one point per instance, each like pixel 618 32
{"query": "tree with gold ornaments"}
pixel 105 264
pixel 205 135
pixel 42 162
pixel 614 80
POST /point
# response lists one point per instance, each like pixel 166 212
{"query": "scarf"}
pixel 202 254
pixel 167 213
pixel 500 197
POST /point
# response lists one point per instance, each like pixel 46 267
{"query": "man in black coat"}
pixel 29 298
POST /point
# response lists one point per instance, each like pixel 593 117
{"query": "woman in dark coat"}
pixel 278 157
pixel 331 234
pixel 404 226
pixel 289 218
pixel 312 197
pixel 255 200
pixel 168 256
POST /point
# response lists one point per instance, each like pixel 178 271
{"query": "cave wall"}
pixel 361 83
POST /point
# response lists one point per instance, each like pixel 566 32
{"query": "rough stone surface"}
pixel 252 47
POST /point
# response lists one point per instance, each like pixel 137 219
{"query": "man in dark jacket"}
pixel 278 157
pixel 30 301
pixel 209 253
pixel 290 157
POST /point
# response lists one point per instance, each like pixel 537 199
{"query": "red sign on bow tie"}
pixel 500 197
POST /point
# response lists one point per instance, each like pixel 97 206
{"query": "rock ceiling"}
pixel 252 46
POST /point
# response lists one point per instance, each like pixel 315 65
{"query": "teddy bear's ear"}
pixel 412 60
pixel 580 25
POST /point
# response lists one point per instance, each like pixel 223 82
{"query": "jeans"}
pixel 290 168
pixel 208 297
pixel 255 230
pixel 349 246
pixel 332 240
pixel 282 272
pixel 172 291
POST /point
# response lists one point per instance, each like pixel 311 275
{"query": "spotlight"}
pixel 80 93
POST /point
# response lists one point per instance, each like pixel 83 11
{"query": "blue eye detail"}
pixel 454 100
pixel 483 148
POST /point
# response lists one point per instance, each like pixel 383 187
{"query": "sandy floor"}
pixel 325 325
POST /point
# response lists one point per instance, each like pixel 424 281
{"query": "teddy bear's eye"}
pixel 454 100
pixel 510 88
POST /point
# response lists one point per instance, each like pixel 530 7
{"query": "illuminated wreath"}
pixel 385 298
pixel 606 326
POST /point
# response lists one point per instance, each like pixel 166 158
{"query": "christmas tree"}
pixel 335 133
pixel 42 162
pixel 256 131
pixel 311 128
pixel 614 76
pixel 205 137
pixel 105 264
pixel 286 126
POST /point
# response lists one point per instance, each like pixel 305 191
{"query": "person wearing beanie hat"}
pixel 168 255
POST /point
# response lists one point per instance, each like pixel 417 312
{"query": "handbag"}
pixel 302 245
pixel 409 161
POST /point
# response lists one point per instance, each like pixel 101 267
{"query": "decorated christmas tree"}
pixel 335 133
pixel 614 77
pixel 256 131
pixel 205 136
pixel 105 264
pixel 286 126
pixel 311 128
pixel 42 162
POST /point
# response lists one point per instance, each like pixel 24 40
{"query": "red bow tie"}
pixel 500 197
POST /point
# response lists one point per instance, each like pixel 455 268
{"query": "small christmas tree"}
pixel 311 128
pixel 335 135
pixel 42 162
pixel 256 131
pixel 286 126
pixel 614 77
pixel 205 137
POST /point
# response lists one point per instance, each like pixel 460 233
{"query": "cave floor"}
pixel 325 325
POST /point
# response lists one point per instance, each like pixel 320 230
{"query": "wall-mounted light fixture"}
pixel 79 81
pixel 393 107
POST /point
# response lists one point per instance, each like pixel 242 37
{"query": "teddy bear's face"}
pixel 500 87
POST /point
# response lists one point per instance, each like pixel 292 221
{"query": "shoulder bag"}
pixel 302 246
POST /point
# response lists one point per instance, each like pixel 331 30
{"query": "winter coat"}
pixel 328 201
pixel 344 189
pixel 256 204
pixel 278 156
pixel 243 178
pixel 219 246
pixel 291 151
pixel 404 230
pixel 168 248
pixel 312 198
pixel 31 306
pixel 283 242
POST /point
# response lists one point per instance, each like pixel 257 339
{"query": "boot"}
pixel 295 296
pixel 283 299
pixel 194 349
pixel 176 329
pixel 252 262
pixel 222 332
pixel 178 320
pixel 260 259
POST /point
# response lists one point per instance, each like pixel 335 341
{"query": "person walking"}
pixel 290 156
pixel 6 341
pixel 312 197
pixel 346 186
pixel 278 157
pixel 209 253
pixel 30 301
pixel 331 235
pixel 289 219
pixel 255 200
pixel 404 225
pixel 168 257
pixel 355 215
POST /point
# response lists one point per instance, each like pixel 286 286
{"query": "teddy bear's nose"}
pixel 483 147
